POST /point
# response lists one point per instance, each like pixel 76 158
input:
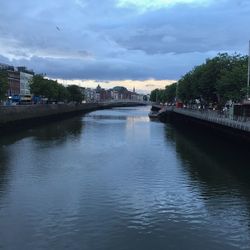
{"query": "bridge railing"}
pixel 222 118
pixel 123 101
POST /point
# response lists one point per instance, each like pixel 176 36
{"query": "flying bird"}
pixel 58 28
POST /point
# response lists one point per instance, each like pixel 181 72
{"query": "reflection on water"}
pixel 114 180
pixel 56 131
pixel 210 160
pixel 3 167
pixel 45 136
pixel 221 173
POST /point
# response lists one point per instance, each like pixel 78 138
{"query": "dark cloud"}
pixel 184 29
pixel 92 39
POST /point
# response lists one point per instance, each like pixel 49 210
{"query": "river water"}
pixel 114 180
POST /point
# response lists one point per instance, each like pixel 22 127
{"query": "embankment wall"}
pixel 22 115
pixel 229 129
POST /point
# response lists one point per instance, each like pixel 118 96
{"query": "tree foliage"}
pixel 218 80
pixel 157 95
pixel 170 93
pixel 55 91
pixel 164 95
pixel 75 93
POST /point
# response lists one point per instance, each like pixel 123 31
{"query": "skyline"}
pixel 123 40
pixel 141 87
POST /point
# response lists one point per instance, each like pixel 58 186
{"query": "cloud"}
pixel 143 87
pixel 113 40
pixel 156 4
pixel 183 29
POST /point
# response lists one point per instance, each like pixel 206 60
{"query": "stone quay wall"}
pixel 24 113
pixel 234 127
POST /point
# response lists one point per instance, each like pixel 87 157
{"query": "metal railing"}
pixel 219 117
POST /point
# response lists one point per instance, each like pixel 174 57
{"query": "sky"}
pixel 141 43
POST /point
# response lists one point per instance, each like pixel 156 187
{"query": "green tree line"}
pixel 218 80
pixel 164 95
pixel 55 91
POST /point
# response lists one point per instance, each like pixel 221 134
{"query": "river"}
pixel 114 180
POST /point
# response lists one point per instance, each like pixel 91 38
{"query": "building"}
pixel 18 80
pixel 25 79
pixel 90 95
pixel 117 93
pixel 121 93
pixel 103 94
pixel 13 82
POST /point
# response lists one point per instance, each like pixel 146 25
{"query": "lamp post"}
pixel 176 92
pixel 248 74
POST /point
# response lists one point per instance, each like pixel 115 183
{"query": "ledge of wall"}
pixel 12 114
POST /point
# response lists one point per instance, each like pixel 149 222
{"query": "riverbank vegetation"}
pixel 55 91
pixel 218 80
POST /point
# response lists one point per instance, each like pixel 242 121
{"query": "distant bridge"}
pixel 123 101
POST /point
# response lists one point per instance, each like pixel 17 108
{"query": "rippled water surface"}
pixel 114 180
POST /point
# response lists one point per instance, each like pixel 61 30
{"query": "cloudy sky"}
pixel 146 43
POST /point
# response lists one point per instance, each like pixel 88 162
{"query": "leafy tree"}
pixel 164 95
pixel 187 90
pixel 3 84
pixel 170 92
pixel 63 93
pixel 158 95
pixel 75 93
pixel 50 89
pixel 154 95
pixel 232 84
pixel 39 86
pixel 218 80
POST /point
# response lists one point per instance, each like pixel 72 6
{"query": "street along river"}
pixel 113 180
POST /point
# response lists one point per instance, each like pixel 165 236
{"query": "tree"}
pixel 153 95
pixel 50 89
pixel 170 92
pixel 188 90
pixel 75 93
pixel 232 84
pixel 218 80
pixel 3 84
pixel 63 93
pixel 158 95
